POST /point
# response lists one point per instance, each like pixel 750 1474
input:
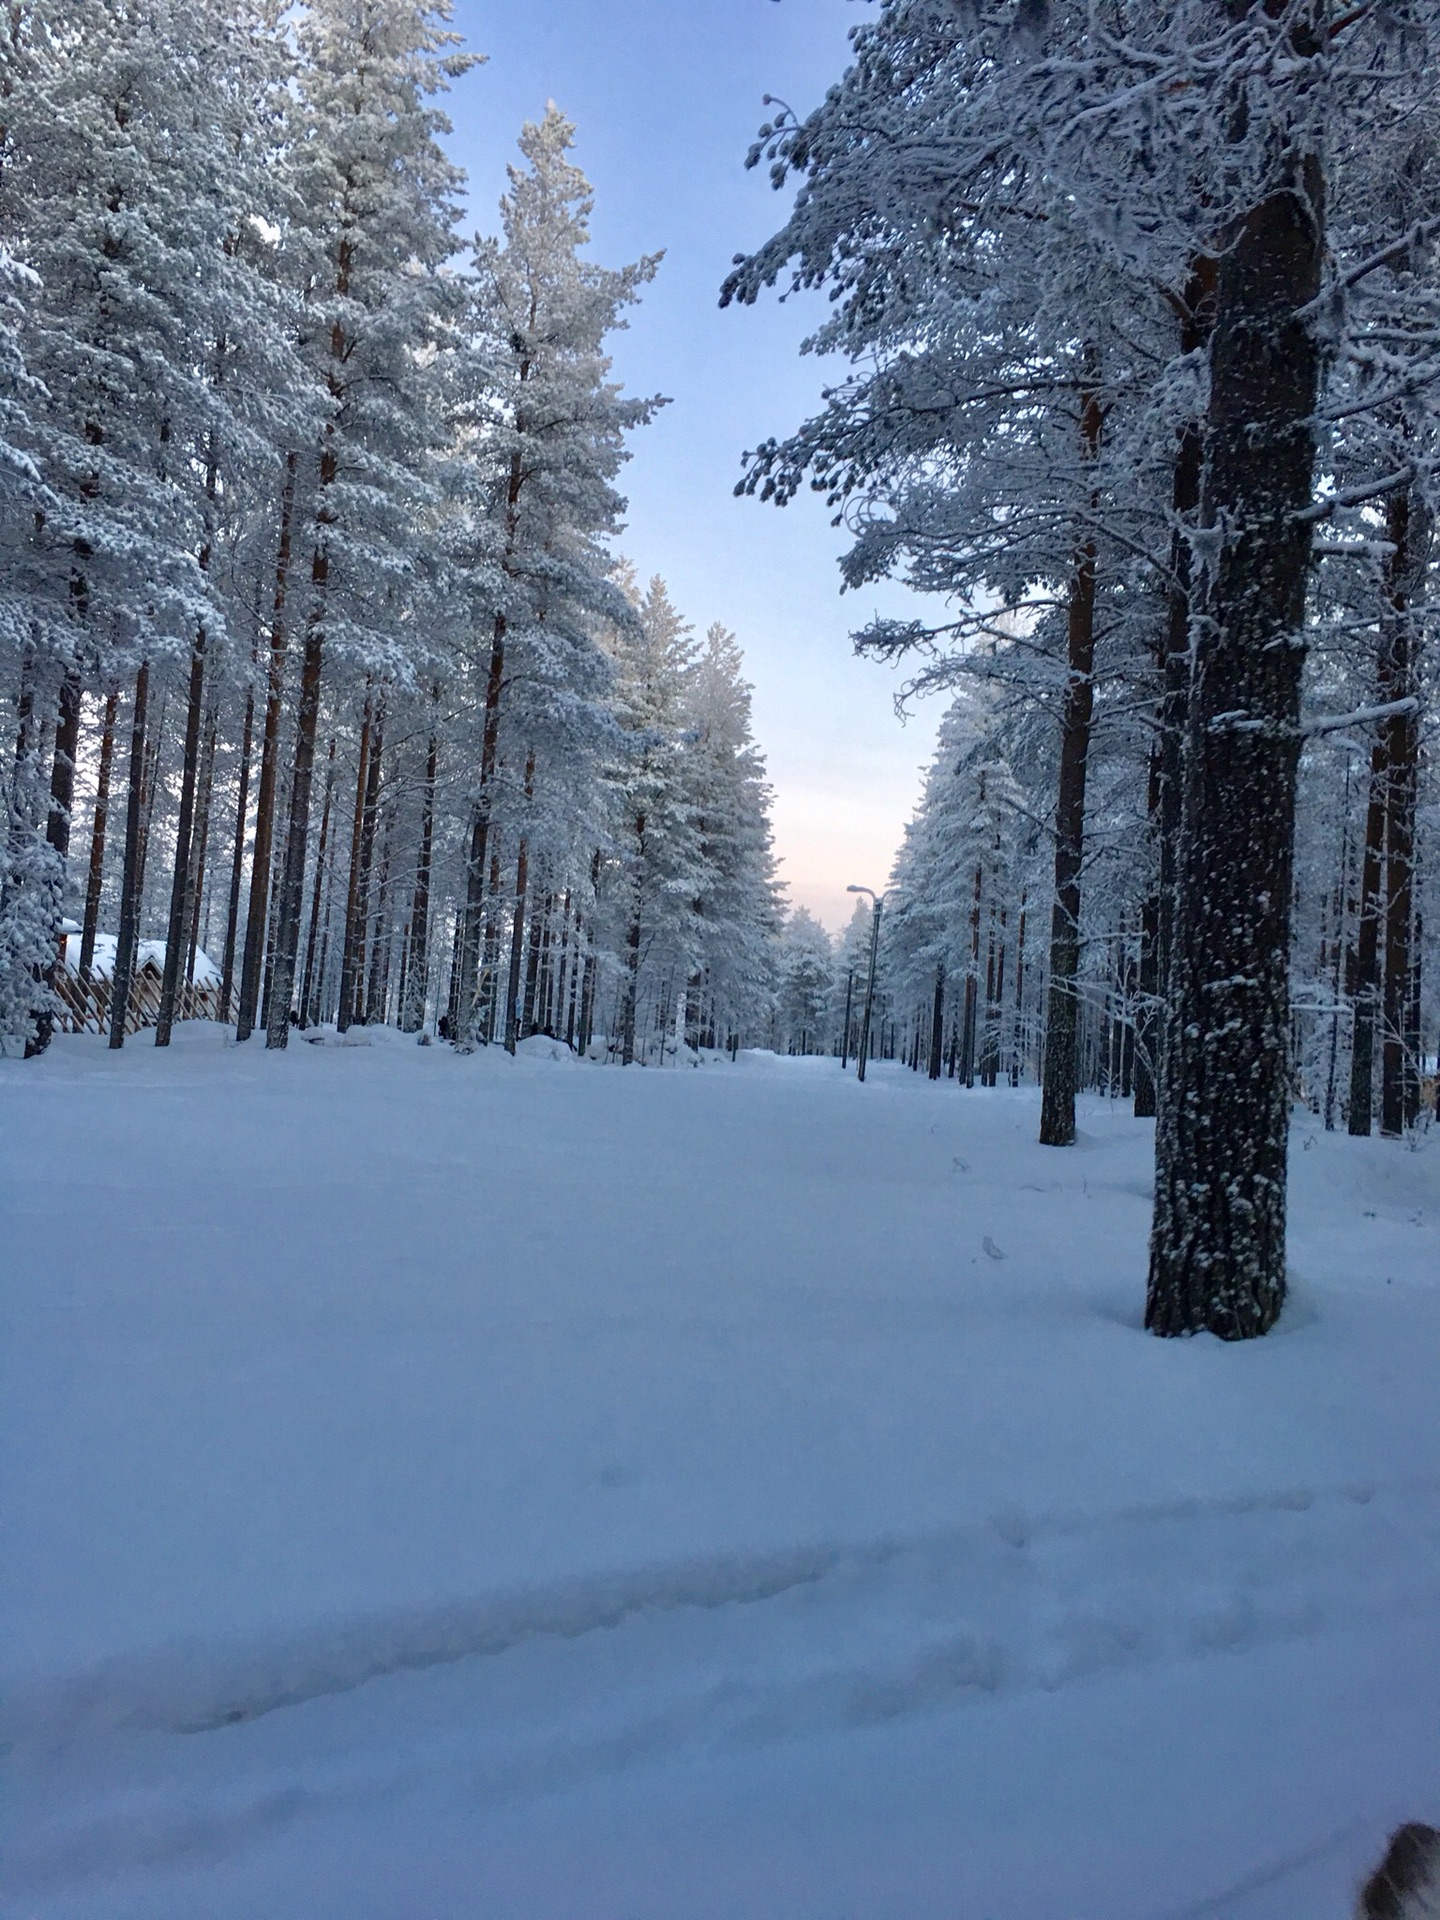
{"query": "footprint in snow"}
pixel 991 1248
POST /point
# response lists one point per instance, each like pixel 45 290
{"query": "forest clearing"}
pixel 410 1510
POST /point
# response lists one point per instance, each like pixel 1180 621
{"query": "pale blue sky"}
pixel 666 98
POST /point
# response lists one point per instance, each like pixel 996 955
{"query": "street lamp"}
pixel 877 901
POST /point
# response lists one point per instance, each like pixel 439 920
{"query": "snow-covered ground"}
pixel 527 1491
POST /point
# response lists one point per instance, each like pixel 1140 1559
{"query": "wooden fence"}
pixel 85 1007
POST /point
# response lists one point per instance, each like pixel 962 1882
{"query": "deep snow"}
pixel 541 1492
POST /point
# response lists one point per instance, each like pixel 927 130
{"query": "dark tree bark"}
pixel 489 1002
pixel 1018 1043
pixel 184 832
pixel 1057 1095
pixel 237 858
pixel 377 988
pixel 132 872
pixel 1408 530
pixel 937 1025
pixel 1365 967
pixel 1147 1023
pixel 350 959
pixel 465 996
pixel 257 916
pixel 57 829
pixel 62 770
pixel 531 1013
pixel 322 873
pixel 417 974
pixel 292 882
pixel 632 954
pixel 195 893
pixel 1217 1256
pixel 1413 1050
pixel 99 826
pixel 1197 321
pixel 517 929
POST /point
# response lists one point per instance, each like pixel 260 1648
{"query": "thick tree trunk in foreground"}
pixel 129 929
pixel 1217 1253
pixel 1062 1009
pixel 1197 320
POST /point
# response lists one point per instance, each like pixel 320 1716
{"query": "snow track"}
pixel 726 1655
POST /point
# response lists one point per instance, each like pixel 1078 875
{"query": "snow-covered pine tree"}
pixel 378 210
pixel 737 910
pixel 805 990
pixel 546 442
pixel 659 868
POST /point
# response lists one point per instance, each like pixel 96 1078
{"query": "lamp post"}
pixel 863 1053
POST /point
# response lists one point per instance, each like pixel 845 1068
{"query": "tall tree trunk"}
pixel 57 831
pixel 1057 1097
pixel 377 987
pixel 322 871
pixel 1197 321
pixel 1342 902
pixel 184 832
pixel 127 939
pixel 1147 1022
pixel 1217 1254
pixel 517 929
pixel 533 959
pixel 1017 1044
pixel 354 894
pixel 465 994
pixel 1408 530
pixel 937 1024
pixel 99 826
pixel 1413 1050
pixel 258 917
pixel 490 999
pixel 62 771
pixel 1365 972
pixel 237 859
pixel 292 881
pixel 201 846
pixel 417 977
pixel 632 954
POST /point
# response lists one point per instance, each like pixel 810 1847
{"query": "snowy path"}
pixel 470 1488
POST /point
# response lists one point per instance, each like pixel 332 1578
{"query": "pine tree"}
pixel 546 441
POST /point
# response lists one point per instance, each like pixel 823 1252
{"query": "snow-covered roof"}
pixel 150 953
